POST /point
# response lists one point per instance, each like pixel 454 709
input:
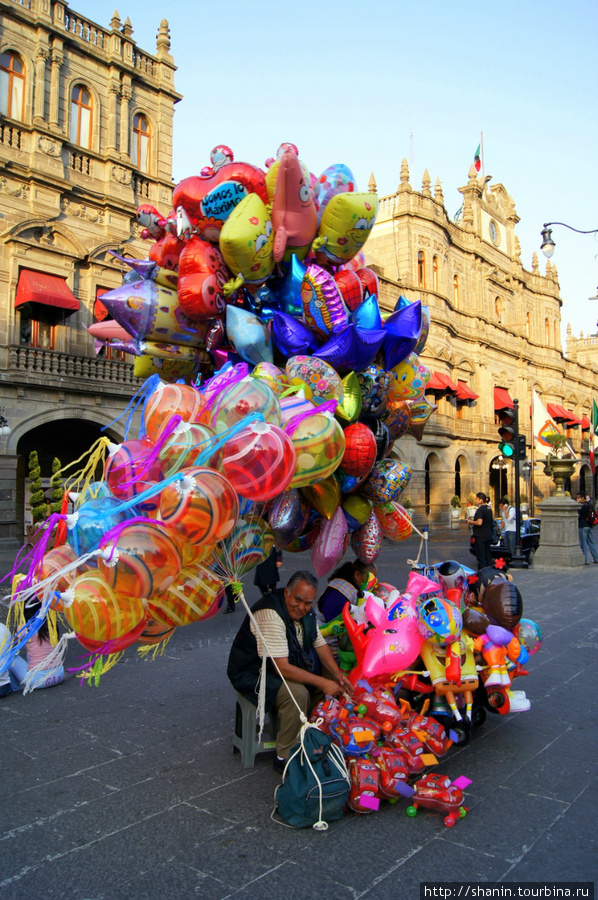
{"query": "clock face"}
pixel 494 233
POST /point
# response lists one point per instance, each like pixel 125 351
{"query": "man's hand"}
pixel 333 688
pixel 346 684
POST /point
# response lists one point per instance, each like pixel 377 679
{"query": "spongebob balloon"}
pixel 345 227
pixel 246 243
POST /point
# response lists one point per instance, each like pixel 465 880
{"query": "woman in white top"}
pixel 508 526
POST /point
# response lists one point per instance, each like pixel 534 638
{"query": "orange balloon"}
pixel 98 613
pixel 196 594
pixel 154 633
pixel 144 558
pixel 55 560
pixel 171 400
pixel 200 508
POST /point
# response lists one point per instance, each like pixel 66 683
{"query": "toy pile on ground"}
pixel 428 664
pixel 291 388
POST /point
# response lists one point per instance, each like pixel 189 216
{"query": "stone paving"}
pixel 131 790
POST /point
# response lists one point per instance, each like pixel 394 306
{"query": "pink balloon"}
pixel 329 547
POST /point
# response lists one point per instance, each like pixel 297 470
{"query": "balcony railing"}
pixel 84 29
pixel 34 361
pixel 11 136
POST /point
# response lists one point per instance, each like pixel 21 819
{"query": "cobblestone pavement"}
pixel 131 790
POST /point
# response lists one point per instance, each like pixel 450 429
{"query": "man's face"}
pixel 299 599
pixel 580 499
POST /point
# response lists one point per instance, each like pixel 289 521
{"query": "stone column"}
pixel 125 98
pixel 57 61
pixel 112 129
pixel 40 86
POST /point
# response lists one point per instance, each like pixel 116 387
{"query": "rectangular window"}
pixel 37 330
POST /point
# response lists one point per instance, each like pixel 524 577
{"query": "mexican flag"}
pixel 594 437
pixel 477 159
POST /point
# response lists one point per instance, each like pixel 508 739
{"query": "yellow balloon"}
pixel 192 596
pixel 325 496
pixel 319 444
pixel 98 613
pixel 350 408
pixel 345 226
pixel 246 243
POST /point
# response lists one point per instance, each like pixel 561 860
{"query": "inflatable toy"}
pixel 246 243
pixel 259 461
pixel 141 558
pixel 294 216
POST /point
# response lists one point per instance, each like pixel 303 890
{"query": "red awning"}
pixel 436 382
pixel 465 393
pixel 99 310
pixel 502 399
pixel 37 287
pixel 585 423
pixel 557 412
pixel 572 419
pixel 440 382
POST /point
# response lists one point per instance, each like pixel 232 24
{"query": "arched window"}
pixel 528 325
pixel 435 274
pixel 547 332
pixel 556 333
pixel 498 310
pixel 421 269
pixel 12 86
pixel 140 151
pixel 81 116
pixel 456 291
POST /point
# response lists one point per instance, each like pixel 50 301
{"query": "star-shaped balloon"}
pixel 403 329
pixel 352 348
pixel 292 337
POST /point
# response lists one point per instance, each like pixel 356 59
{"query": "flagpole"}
pixel 482 148
pixel 532 459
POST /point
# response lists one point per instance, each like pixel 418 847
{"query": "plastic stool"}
pixel 246 731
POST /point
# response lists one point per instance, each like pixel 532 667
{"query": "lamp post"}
pixel 547 245
pixel 4 427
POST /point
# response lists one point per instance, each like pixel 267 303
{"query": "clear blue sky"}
pixel 352 82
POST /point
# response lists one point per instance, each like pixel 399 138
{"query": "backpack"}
pixel 593 517
pixel 315 783
pixel 495 532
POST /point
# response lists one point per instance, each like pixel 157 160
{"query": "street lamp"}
pixel 547 245
pixel 4 427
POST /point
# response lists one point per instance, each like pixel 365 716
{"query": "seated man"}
pixel 288 625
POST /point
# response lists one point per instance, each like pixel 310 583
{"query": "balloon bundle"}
pixel 275 391
pixel 428 664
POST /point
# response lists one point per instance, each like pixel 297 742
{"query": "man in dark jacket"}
pixel 585 524
pixel 290 637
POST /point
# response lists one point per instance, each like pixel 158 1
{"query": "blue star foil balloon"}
pixel 288 289
pixel 367 314
pixel 292 337
pixel 403 329
pixel 423 337
pixel 352 348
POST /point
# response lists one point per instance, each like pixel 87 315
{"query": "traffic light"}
pixel 521 450
pixel 507 431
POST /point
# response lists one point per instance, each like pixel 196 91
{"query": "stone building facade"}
pixel 495 324
pixel 85 137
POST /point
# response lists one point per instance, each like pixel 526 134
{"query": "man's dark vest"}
pixel 244 663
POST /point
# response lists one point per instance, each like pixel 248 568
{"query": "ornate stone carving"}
pixel 14 189
pixel 72 208
pixel 121 175
pixel 49 146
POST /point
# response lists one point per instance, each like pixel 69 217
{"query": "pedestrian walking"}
pixel 585 525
